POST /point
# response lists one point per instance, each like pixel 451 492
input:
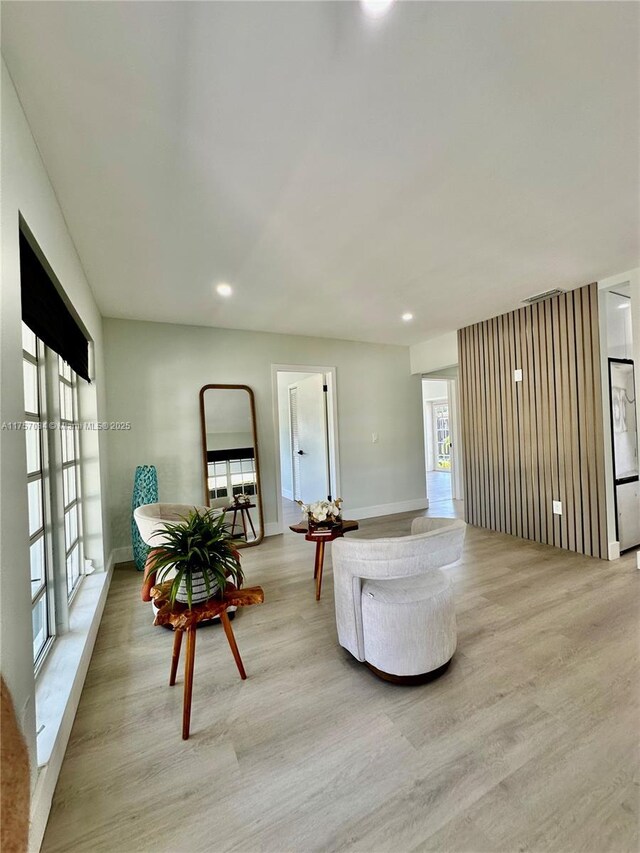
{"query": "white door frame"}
pixel 454 432
pixel 453 397
pixel 332 407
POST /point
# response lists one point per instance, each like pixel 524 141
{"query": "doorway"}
pixel 305 415
pixel 440 445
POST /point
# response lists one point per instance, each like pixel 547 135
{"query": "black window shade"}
pixel 44 312
pixel 235 453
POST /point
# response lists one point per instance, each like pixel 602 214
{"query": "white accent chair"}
pixel 394 607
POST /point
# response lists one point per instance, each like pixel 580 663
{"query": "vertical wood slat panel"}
pixel 552 419
pixel 560 414
pixel 589 417
pixel 603 544
pixel 509 437
pixel 574 344
pixel 515 439
pixel 583 450
pixel 480 406
pixel 504 471
pixel 463 455
pixel 568 509
pixel 529 443
pixel 489 421
pixel 497 391
pixel 542 387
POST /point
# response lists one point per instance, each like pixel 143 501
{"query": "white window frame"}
pixel 69 422
pixel 57 421
pixel 35 421
pixel 221 469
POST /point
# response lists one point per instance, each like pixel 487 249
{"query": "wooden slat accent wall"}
pixel 526 444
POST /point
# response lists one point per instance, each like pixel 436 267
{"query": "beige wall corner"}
pixel 434 354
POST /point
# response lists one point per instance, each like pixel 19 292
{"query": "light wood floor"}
pixel 528 743
pixel 438 487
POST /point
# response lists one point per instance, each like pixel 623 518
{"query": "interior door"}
pixel 311 440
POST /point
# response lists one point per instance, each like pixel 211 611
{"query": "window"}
pixel 53 486
pixel 55 355
pixel 70 456
pixel 42 598
pixel 228 477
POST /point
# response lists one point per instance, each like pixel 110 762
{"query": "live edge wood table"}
pixel 184 619
pixel 320 538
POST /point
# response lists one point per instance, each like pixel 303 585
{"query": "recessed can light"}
pixel 224 289
pixel 376 8
pixel 407 316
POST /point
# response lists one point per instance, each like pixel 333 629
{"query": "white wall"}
pixel 434 354
pixel 155 371
pixel 26 189
pixel 229 440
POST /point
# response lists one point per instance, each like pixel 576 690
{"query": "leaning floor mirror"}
pixel 230 462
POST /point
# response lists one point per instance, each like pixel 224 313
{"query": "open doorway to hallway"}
pixel 440 446
pixel 306 438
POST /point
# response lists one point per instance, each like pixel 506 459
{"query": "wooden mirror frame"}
pixel 203 429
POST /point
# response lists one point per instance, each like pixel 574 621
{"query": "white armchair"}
pixel 394 608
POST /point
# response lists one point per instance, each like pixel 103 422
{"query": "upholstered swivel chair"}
pixel 394 607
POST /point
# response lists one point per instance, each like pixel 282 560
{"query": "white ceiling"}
pixel 449 159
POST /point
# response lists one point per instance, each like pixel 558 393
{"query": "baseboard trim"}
pixel 120 555
pixel 386 509
pixel 272 528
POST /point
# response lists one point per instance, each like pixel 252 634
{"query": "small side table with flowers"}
pixel 323 523
pixel 242 504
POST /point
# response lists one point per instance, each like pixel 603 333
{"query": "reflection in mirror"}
pixel 230 458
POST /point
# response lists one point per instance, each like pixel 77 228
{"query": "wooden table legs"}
pixel 190 663
pixel 245 516
pixel 253 530
pixel 228 630
pixel 317 569
pixel 188 681
pixel 175 657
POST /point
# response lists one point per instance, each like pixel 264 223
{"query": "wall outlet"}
pixel 517 375
pixel 557 507
pixel 374 438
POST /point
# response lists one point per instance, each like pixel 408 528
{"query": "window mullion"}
pixel 54 448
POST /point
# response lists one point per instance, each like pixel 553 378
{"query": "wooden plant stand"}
pixel 183 619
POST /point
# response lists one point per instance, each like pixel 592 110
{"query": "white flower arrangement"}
pixel 322 511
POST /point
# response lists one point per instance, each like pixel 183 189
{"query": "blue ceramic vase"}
pixel 145 491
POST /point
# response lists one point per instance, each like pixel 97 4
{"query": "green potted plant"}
pixel 203 554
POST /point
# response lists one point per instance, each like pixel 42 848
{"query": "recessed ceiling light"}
pixel 407 316
pixel 376 8
pixel 224 289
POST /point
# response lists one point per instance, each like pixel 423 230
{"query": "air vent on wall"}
pixel 546 295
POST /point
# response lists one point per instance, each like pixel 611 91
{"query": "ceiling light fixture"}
pixel 407 316
pixel 224 289
pixel 376 8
